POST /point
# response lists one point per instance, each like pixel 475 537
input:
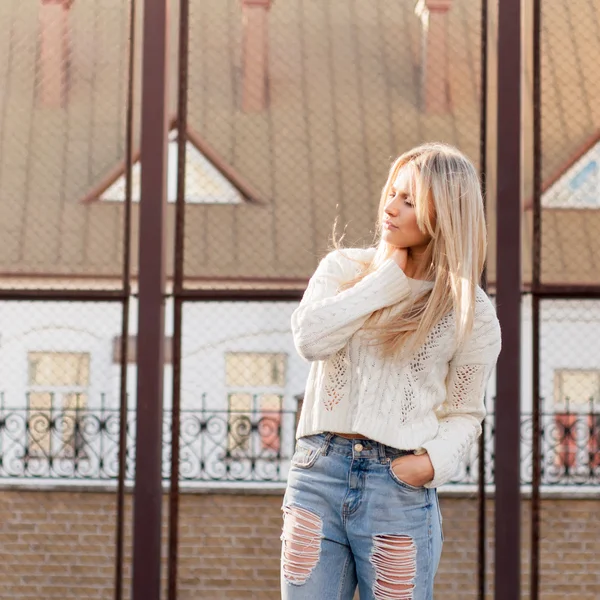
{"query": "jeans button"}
pixel 359 447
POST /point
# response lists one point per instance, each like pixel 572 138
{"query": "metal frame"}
pixel 182 122
pixel 483 157
pixel 508 303
pixel 535 304
pixel 148 482
pixel 123 408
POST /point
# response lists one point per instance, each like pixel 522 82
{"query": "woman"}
pixel 402 342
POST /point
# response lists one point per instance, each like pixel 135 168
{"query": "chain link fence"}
pixel 295 110
pixel 64 69
pixel 570 143
pixel 307 104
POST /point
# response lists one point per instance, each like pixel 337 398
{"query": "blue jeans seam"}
pixel 343 577
pixel 439 515
pixel 430 574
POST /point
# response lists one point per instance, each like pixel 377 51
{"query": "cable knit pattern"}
pixel 432 401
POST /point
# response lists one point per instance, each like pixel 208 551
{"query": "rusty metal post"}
pixel 123 401
pixel 535 303
pixel 508 297
pixel 150 349
pixel 483 140
pixel 184 27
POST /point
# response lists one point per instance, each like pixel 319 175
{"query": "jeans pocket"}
pixel 399 481
pixel 305 454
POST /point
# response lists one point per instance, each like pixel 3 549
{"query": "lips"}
pixel 389 225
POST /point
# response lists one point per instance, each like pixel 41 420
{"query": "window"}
pixel 58 385
pixel 576 390
pixel 577 418
pixel 255 383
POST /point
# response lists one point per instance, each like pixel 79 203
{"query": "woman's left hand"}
pixel 416 470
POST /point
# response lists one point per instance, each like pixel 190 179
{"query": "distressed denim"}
pixel 348 521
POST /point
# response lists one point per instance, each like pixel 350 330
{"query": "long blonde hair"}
pixel 455 256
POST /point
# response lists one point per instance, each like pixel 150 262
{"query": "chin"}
pixel 390 238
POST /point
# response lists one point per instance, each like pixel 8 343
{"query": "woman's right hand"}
pixel 400 255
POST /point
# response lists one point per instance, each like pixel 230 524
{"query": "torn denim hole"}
pixel 302 534
pixel 395 560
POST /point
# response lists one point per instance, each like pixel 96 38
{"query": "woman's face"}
pixel 400 227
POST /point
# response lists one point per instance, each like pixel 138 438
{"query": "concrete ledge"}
pixel 273 489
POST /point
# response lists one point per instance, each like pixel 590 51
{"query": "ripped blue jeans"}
pixel 348 521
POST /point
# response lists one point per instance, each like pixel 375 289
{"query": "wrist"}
pixel 427 464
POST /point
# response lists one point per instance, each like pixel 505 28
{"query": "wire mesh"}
pixel 63 99
pixel 304 105
pixel 296 110
pixel 300 108
pixel 570 122
pixel 570 388
pixel 59 424
pixel 64 72
pixel 568 373
pixel 59 373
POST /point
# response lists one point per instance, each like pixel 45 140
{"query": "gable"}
pixel 204 184
pixel 579 185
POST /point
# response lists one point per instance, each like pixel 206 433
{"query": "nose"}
pixel 391 209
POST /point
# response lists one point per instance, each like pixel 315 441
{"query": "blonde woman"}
pixel 402 341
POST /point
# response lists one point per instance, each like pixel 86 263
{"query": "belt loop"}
pixel 381 450
pixel 325 446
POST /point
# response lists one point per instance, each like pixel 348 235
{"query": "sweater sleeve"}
pixel 463 410
pixel 325 320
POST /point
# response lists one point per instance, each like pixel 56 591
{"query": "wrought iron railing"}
pixel 237 446
pixel 570 455
pixel 83 444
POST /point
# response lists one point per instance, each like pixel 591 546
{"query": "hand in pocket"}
pixel 414 470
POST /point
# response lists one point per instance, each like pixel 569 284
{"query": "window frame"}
pixel 263 425
pixel 70 441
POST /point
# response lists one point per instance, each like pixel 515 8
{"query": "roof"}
pixel 343 102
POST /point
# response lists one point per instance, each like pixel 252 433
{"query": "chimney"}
pixel 54 52
pixel 434 69
pixel 255 54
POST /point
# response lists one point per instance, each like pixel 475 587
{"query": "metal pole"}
pixel 123 408
pixel 508 297
pixel 177 297
pixel 482 529
pixel 148 472
pixel 535 304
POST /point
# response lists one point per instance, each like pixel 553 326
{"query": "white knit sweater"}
pixel 432 401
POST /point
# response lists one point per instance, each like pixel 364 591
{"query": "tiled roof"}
pixel 343 101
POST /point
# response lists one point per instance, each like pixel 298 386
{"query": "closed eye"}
pixel 403 196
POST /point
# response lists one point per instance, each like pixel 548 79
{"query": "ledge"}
pixel 278 488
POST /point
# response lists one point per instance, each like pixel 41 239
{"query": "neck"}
pixel 415 265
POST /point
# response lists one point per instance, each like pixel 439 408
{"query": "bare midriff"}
pixel 351 436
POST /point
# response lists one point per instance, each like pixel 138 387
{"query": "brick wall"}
pixel 60 545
